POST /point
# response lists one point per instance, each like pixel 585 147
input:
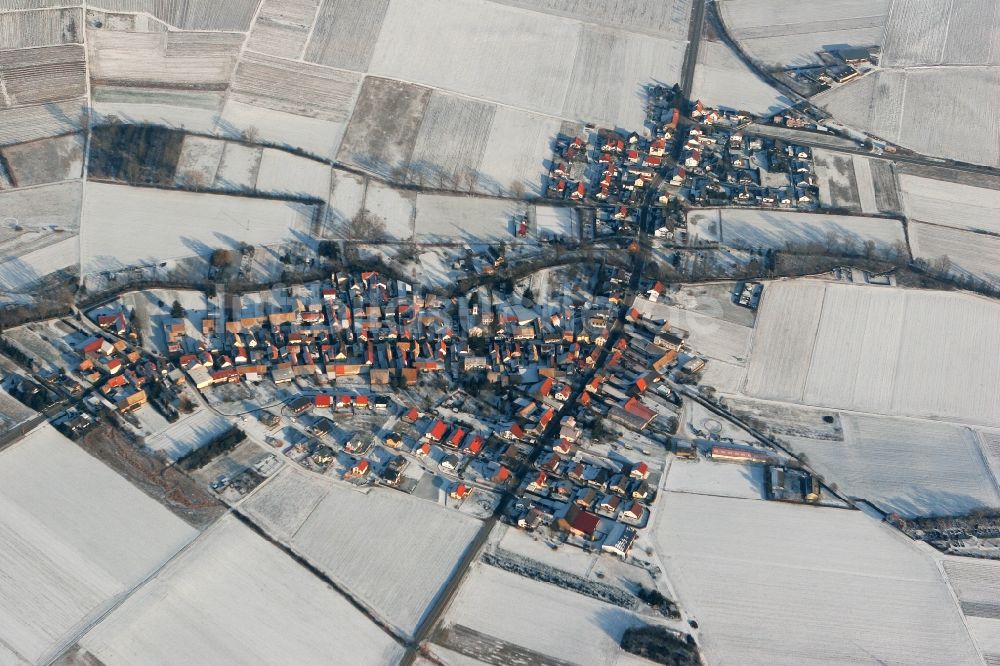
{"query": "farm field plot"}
pixel 282 27
pixel 12 412
pixel 165 59
pixel 516 151
pixel 46 27
pixel 395 207
pixel 76 536
pixel 886 188
pixel 34 76
pixel 883 598
pixel 666 17
pixel 345 33
pixel 38 209
pixel 395 566
pixel 312 135
pixel 924 32
pixel 384 126
pixel 950 204
pixel 969 253
pixel 724 377
pixel 866 186
pixel 232 597
pixel 838 185
pixel 347 196
pixel 294 87
pixel 450 219
pixel 231 15
pixel 199 160
pixel 286 173
pixel 28 123
pixel 239 167
pixel 450 143
pixel 704 477
pixel 556 624
pixel 877 350
pixel 496 53
pixel 179 224
pixel 721 79
pixel 976 584
pixel 45 161
pixel 778 33
pixel 613 96
pixel 899 105
pixel 775 229
pixel 913 468
pixel 189 433
pixel 19 272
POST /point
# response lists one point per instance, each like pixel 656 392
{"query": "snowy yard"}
pixel 705 477
pixel 76 536
pixel 234 598
pixel 453 219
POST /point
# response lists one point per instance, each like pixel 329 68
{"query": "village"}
pixel 551 409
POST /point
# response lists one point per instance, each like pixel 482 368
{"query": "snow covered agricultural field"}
pixel 950 204
pixel 127 226
pixel 913 468
pixel 18 273
pixel 704 477
pixel 779 34
pixel 232 597
pixel 969 253
pixel 779 229
pixel 456 219
pixel 877 350
pixel 543 618
pixel 393 552
pixel 721 79
pixel 76 538
pixel 778 583
pixel 977 585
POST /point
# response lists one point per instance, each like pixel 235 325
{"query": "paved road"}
pixel 691 52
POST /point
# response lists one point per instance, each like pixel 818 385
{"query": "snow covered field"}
pixel 777 229
pixel 877 350
pixel 779 33
pixel 544 618
pixel 774 583
pixel 393 552
pixel 556 222
pixel 394 206
pixel 230 598
pixel 968 252
pixel 913 468
pixel 950 204
pixel 126 226
pixel 284 173
pixel 517 148
pixel 347 195
pixel 452 219
pixel 977 585
pixel 76 536
pixel 20 272
pixel 722 80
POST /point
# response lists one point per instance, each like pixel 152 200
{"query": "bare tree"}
pixel 250 134
pixel 471 179
pixel 365 226
pixel 517 189
pixel 222 258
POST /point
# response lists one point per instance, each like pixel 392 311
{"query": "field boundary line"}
pixel 312 29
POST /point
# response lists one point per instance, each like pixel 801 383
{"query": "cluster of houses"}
pixel 834 67
pixel 124 376
pixel 615 170
pixel 722 164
